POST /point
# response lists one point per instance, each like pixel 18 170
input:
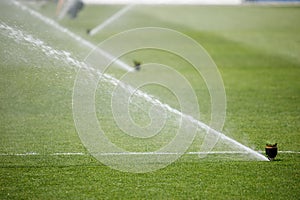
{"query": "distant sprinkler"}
pixel 137 65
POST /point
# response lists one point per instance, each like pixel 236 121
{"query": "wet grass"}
pixel 263 95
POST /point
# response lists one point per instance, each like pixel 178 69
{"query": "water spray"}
pixel 77 38
pixel 109 20
pixel 64 56
pixel 19 35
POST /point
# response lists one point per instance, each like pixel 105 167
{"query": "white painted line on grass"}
pixel 68 154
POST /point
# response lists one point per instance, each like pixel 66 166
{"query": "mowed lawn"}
pixel 256 49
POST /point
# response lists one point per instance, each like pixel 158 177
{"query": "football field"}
pixel 59 84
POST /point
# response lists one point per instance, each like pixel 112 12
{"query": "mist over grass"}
pixel 260 74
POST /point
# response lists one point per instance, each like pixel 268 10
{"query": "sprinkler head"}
pixel 88 31
pixel 271 151
pixel 137 65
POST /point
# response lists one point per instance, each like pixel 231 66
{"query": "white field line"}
pixel 79 39
pixel 136 153
pixel 111 19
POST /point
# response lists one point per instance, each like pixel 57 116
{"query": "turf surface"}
pixel 257 52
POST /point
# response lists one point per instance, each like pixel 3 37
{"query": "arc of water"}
pixel 147 97
pixel 111 19
pixel 79 39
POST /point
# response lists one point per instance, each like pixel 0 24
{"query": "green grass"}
pixel 58 178
pixel 259 64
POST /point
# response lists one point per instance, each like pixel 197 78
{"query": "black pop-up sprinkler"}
pixel 271 151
